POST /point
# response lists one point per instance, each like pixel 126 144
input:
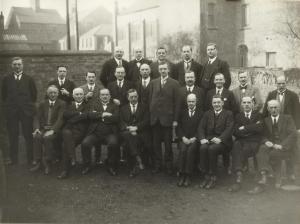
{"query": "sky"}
pixel 60 5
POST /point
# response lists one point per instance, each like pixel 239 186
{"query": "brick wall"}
pixel 42 65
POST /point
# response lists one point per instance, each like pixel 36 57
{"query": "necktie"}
pixel 18 76
pixel 50 113
pixel 133 109
pixel 274 121
pixel 163 82
pixel 138 64
pixel 104 107
pixel 119 84
pixel 192 113
pixel 248 116
pixel 190 89
pixel 77 105
pixel 144 84
pixel 61 82
pixel 91 89
pixel 218 92
pixel 120 62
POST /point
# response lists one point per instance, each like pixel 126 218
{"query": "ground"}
pixel 100 198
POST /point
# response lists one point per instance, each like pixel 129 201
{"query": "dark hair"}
pixel 131 91
pixel 212 44
pixel 61 66
pixel 217 97
pixel 16 58
pixel 161 48
pixel 119 67
pixel 94 72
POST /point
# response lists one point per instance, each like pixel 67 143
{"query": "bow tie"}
pixel 243 87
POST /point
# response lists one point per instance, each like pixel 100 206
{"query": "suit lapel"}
pixel 269 124
pixel 280 124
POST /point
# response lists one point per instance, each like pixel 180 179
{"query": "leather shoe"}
pixel 36 167
pixel 235 188
pixel 181 181
pixel 86 170
pixel 204 182
pixel 257 190
pixel 112 172
pixel 63 175
pixel 211 184
pixel 187 182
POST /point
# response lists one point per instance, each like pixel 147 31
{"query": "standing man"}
pixel 189 119
pixel 227 95
pixel 163 116
pixel 142 85
pixel 215 138
pixel 246 89
pixel 161 54
pixel 19 95
pixel 49 121
pixel 64 85
pixel 279 139
pixel 135 64
pixel 213 66
pixel 247 130
pixel 188 64
pixel 104 118
pixel 109 67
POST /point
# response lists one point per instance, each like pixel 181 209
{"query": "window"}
pixel 150 29
pixel 271 59
pixel 245 15
pixel 121 33
pixel 211 20
pixel 135 32
pixel 243 56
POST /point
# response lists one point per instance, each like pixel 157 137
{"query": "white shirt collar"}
pixel 147 80
pixel 61 80
pixel 131 105
pixel 117 60
pixel 218 112
pixel 52 102
pixel 190 87
pixel 190 110
pixel 221 90
pixel 248 113
pixel 212 60
pixel 277 117
pixel 18 75
pixel 139 60
pixel 164 79
pixel 189 61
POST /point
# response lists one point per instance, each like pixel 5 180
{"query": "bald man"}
pixel 75 128
pixel 47 125
pixel 135 64
pixel 109 67
pixel 279 138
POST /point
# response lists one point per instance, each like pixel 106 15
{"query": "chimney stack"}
pixel 35 5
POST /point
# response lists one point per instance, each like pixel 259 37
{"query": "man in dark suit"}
pixel 134 127
pixel 64 85
pixel 142 85
pixel 188 65
pixel 163 116
pixel 213 66
pixel 247 130
pixel 279 138
pixel 103 128
pixel 19 95
pixel 161 54
pixel 91 93
pixel 188 122
pixel 75 128
pixel 246 89
pixel 215 132
pixel 190 87
pixel 49 121
pixel 109 67
pixel 118 88
pixel 135 64
pixel 227 95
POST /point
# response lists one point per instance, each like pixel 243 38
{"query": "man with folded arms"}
pixel 247 130
pixel 47 124
pixel 75 128
pixel 279 138
pixel 215 136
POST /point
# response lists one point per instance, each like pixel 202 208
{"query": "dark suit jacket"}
pixel 188 126
pixel 18 95
pixel 287 131
pixel 155 72
pixel 163 102
pixel 96 92
pixel 291 105
pixel 195 67
pixel 120 93
pixel 56 117
pixel 68 85
pixel 108 71
pixel 143 92
pixel 209 71
pixel 253 127
pixel 103 126
pixel 139 119
pixel 222 129
pixel 134 70
pixel 183 92
pixel 76 118
pixel 228 98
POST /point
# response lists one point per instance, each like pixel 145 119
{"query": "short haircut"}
pixel 61 66
pixel 161 48
pixel 187 46
pixel 212 44
pixel 104 89
pixel 281 76
pixel 217 97
pixel 16 58
pixel 190 72
pixel 52 86
pixel 273 101
pixel 119 66
pixel 131 91
pixel 191 94
pixel 219 74
pixel 163 63
pixel 94 72
pixel 247 97
pixel 76 89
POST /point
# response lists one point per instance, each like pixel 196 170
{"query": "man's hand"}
pixel 204 141
pixel 192 140
pixel 36 132
pixel 269 144
pixel 216 140
pixel 117 102
pixel 106 114
pixel 89 95
pixel 242 128
pixel 175 123
pixel 48 133
pixel 277 147
pixel 64 92
pixel 132 128
pixel 185 140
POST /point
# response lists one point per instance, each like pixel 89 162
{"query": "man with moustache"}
pixel 135 64
pixel 188 64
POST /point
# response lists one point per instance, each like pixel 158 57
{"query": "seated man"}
pixel 279 138
pixel 189 118
pixel 47 124
pixel 103 128
pixel 75 128
pixel 247 131
pixel 214 134
pixel 134 122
